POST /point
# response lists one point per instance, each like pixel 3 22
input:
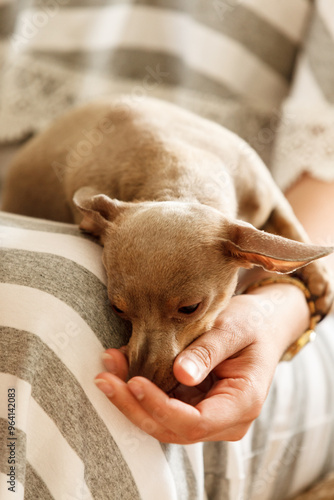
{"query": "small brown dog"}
pixel 175 200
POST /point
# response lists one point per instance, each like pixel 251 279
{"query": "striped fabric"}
pixel 305 138
pixel 55 321
pixel 229 60
pixel 71 443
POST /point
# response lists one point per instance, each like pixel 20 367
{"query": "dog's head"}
pixel 172 268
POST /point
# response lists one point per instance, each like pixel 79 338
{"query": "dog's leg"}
pixel 316 276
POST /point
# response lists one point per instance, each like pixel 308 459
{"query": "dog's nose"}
pixel 151 354
pixel 159 373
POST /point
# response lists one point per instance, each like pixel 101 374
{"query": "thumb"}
pixel 195 363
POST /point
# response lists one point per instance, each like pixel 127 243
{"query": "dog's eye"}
pixel 117 309
pixel 189 309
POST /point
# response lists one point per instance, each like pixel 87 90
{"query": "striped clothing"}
pixel 229 60
pixel 70 442
pixel 264 69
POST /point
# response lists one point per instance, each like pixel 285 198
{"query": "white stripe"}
pixel 289 17
pixel 305 88
pixel 22 395
pixel 80 351
pixel 18 494
pixel 326 11
pixel 139 27
pixel 83 252
pixel 40 430
pixel 42 222
pixel 235 471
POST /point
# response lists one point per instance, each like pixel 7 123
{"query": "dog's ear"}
pixel 252 247
pixel 98 210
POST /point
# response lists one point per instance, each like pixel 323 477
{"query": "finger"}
pixel 225 414
pixel 194 364
pixel 116 362
pixel 181 421
pixel 119 394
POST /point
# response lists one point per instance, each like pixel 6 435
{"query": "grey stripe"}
pixel 8 15
pixel 19 449
pixel 228 18
pixel 72 284
pixel 22 222
pixel 150 68
pixel 215 471
pixel 185 481
pixel 242 25
pixel 255 34
pixel 56 390
pixel 286 469
pixel 34 488
pixel 320 53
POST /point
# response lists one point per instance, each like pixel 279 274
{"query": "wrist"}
pixel 288 313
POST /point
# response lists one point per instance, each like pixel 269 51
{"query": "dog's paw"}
pixel 319 281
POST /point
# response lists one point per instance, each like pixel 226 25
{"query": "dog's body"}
pixel 188 191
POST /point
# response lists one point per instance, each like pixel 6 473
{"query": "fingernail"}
pixel 136 390
pixel 109 362
pixel 105 387
pixel 190 367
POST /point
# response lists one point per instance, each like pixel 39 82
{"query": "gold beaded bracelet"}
pixel 310 334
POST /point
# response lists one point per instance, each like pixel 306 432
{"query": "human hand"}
pixel 228 371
